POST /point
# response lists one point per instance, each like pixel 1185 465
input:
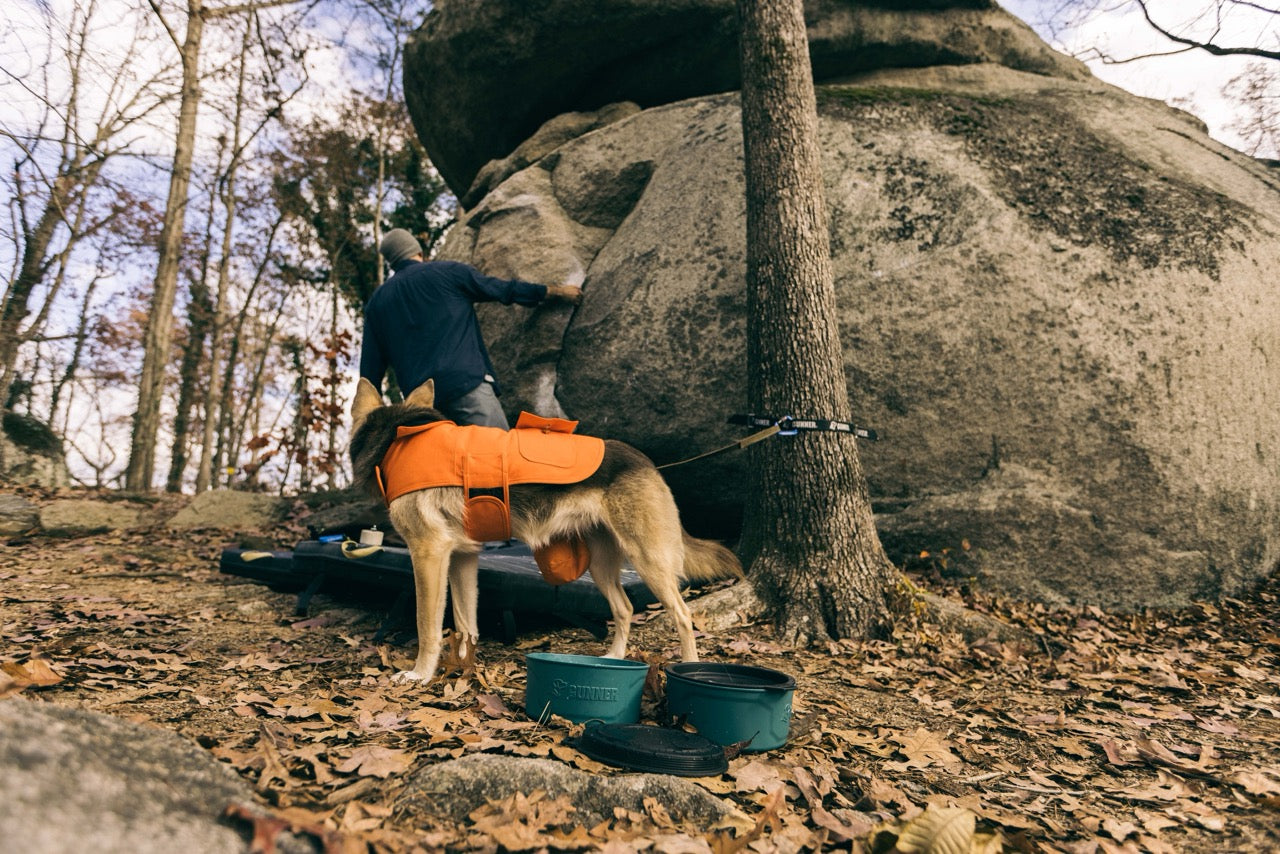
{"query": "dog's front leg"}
pixel 430 584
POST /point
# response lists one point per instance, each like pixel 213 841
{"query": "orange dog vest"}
pixel 538 450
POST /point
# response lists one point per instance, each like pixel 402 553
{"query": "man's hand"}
pixel 571 294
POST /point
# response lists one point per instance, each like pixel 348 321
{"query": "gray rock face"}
pixel 74 781
pixel 73 517
pixel 1056 300
pixel 481 76
pixel 30 452
pixel 454 789
pixel 17 515
pixel 229 509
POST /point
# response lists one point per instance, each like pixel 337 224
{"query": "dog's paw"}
pixel 411 676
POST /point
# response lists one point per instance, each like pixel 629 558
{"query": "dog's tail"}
pixel 705 560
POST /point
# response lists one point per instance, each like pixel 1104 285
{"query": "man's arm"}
pixel 482 288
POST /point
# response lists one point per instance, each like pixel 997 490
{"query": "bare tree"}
pixel 1217 27
pixel 809 537
pixel 1238 29
pixel 80 109
pixel 199 321
pixel 395 18
pixel 158 334
pixel 1257 91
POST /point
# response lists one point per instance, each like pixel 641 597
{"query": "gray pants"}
pixel 479 406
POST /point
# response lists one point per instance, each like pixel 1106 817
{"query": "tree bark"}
pixel 209 456
pixel 35 261
pixel 158 334
pixel 231 431
pixel 809 537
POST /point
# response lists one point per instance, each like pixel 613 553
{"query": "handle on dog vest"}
pixel 486 518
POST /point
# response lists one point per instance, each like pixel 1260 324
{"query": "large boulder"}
pixel 229 509
pixel 73 781
pixel 73 517
pixel 481 76
pixel 1056 300
pixel 17 515
pixel 30 452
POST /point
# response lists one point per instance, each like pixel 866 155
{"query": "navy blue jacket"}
pixel 421 322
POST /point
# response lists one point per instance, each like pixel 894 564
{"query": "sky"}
pixel 1192 80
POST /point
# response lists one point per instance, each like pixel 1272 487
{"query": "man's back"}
pixel 421 322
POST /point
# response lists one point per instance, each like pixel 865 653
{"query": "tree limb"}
pixel 1208 46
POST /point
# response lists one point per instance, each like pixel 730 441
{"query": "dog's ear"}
pixel 366 400
pixel 423 395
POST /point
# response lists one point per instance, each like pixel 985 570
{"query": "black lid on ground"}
pixel 641 747
pixel 732 675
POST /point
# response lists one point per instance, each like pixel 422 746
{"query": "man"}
pixel 422 323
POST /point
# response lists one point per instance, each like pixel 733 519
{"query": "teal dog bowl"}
pixel 732 703
pixel 584 688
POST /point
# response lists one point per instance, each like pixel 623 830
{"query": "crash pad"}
pixel 508 580
pixel 275 568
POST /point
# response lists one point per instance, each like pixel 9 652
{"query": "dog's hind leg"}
pixel 606 572
pixel 660 569
pixel 463 582
pixel 647 526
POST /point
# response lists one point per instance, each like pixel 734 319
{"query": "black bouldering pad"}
pixel 510 586
pixel 275 568
pixel 508 579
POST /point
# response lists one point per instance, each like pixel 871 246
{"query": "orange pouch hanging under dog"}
pixel 562 561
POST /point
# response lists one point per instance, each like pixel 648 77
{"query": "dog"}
pixel 624 511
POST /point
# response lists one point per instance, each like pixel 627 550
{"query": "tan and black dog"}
pixel 623 511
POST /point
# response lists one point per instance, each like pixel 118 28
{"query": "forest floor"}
pixel 1150 732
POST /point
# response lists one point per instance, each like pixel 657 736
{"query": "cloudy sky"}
pixel 1192 80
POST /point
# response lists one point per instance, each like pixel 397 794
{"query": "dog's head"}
pixel 374 423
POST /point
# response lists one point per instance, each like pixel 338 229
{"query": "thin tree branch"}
pixel 1207 46
pixel 164 22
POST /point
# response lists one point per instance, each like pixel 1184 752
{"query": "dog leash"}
pixel 741 443
pixel 787 425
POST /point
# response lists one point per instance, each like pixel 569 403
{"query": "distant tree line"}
pixel 191 226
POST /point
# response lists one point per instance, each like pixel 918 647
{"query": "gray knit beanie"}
pixel 398 245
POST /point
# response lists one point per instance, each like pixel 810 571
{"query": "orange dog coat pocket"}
pixel 562 561
pixel 487 519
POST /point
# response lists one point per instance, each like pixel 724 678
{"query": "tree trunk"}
pixel 230 430
pixel 333 458
pixel 199 314
pixel 809 537
pixel 158 334
pixel 209 456
pixel 35 263
pixel 73 364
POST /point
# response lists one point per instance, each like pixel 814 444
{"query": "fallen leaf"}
pixel 492 705
pixel 757 776
pixel 1119 830
pixel 15 677
pixel 375 761
pixel 938 830
pixel 923 749
pixel 1262 782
